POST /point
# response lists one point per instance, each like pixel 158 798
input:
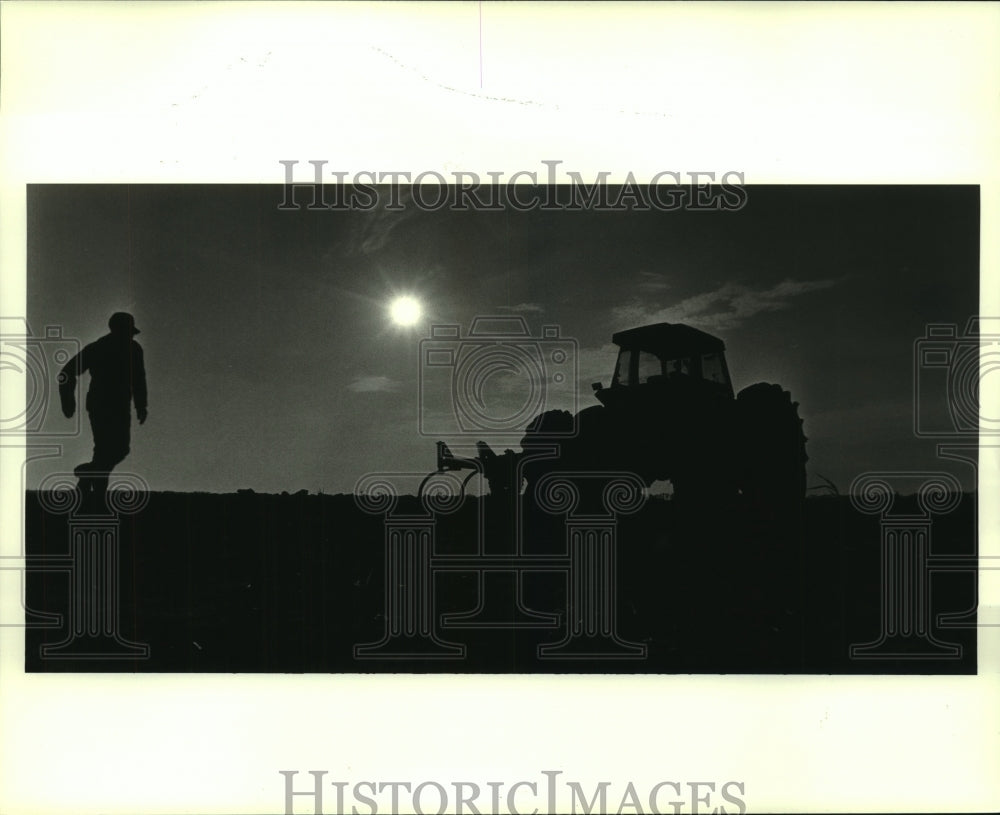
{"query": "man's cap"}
pixel 122 322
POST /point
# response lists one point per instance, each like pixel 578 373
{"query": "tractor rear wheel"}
pixel 772 460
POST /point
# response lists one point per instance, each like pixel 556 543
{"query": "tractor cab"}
pixel 670 357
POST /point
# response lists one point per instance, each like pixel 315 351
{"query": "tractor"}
pixel 669 414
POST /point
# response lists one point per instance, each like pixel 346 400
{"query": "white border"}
pixel 169 92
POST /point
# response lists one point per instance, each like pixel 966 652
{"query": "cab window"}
pixel 678 366
pixel 649 365
pixel 713 369
pixel 622 368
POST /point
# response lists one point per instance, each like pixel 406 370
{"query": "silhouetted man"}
pixel 117 378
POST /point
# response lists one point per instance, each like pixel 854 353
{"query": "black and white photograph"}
pixel 498 408
pixel 578 428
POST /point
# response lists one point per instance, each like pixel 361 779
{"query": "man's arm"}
pixel 67 380
pixel 139 395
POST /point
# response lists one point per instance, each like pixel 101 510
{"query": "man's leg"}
pixel 82 471
pixel 85 471
pixel 111 445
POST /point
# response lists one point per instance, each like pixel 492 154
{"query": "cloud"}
pixel 523 308
pixel 652 281
pixel 378 224
pixel 726 308
pixel 373 384
pixel 595 365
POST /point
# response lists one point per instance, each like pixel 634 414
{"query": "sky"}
pixel 273 364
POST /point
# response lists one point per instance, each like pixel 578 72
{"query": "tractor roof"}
pixel 668 340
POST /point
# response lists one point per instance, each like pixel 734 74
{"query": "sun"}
pixel 405 310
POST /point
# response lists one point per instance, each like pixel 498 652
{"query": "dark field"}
pixel 292 583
